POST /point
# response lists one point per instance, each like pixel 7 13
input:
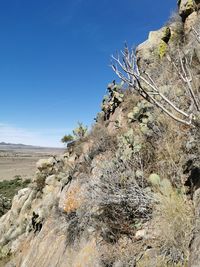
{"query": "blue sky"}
pixel 54 60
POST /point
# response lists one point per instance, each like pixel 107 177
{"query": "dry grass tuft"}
pixel 173 222
pixel 158 262
pixel 102 141
pixel 170 151
pixel 122 253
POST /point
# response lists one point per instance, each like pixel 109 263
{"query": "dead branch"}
pixel 127 70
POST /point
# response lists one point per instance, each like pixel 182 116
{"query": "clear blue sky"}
pixel 54 60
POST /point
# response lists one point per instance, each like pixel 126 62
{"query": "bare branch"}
pixel 147 87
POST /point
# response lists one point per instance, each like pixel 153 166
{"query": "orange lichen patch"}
pixel 74 198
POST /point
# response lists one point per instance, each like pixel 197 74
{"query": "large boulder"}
pixel 150 52
pixel 44 164
pixel 190 22
pixel 146 50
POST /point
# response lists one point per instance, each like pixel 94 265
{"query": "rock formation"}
pixel 127 193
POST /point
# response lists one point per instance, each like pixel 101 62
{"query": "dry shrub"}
pixel 130 101
pixel 170 150
pixel 173 221
pixel 102 140
pixel 118 202
pixel 78 147
pixel 122 253
pixel 40 181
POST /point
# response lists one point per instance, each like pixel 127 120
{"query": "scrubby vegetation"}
pixel 78 133
pixel 8 189
pixel 67 138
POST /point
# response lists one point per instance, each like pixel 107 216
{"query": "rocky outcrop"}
pixel 158 44
pixel 146 51
pixel 18 222
pixel 188 10
pixel 95 205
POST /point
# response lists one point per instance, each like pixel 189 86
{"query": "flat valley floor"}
pixel 21 160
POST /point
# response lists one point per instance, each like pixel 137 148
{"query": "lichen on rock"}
pixel 186 7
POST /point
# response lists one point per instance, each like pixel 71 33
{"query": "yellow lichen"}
pixel 190 4
pixel 162 49
pixel 74 199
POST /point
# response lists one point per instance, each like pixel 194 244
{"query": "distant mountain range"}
pixel 4 145
pixel 10 144
pixel 17 145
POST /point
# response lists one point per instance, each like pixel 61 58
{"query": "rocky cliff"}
pixel 126 193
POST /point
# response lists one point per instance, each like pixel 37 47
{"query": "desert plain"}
pixel 20 160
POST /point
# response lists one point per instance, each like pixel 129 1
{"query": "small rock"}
pixel 140 234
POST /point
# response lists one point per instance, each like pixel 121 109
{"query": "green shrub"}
pixel 8 189
pixel 128 145
pixel 143 114
pixel 67 138
pixel 80 132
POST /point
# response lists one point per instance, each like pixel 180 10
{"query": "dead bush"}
pixel 102 141
pixel 117 202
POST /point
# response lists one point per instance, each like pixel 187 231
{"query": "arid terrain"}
pixel 20 160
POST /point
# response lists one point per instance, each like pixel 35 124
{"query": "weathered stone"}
pixel 146 51
pixel 72 197
pixel 140 234
pixel 190 22
pixel 186 7
pixel 44 164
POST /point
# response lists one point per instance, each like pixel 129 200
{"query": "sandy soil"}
pixel 22 161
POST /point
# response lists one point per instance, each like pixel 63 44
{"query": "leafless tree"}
pixel 141 82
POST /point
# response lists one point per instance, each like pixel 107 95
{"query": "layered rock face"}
pixel 126 194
